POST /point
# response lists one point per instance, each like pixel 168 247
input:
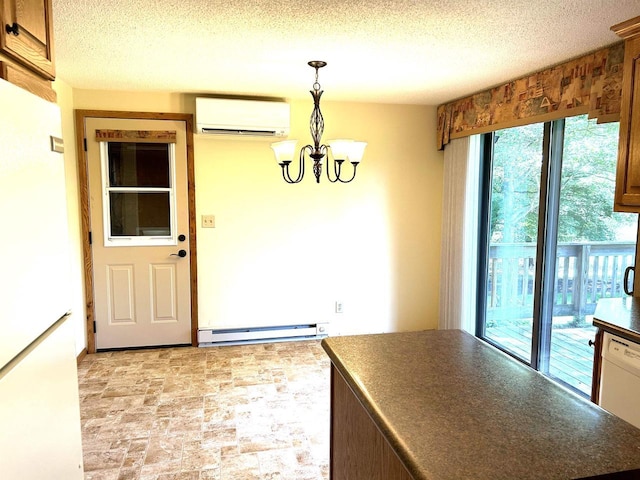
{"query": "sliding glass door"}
pixel 513 226
pixel 551 245
pixel 595 245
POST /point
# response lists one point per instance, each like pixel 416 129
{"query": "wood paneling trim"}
pixel 191 192
pixel 137 136
pixel 597 365
pixel 628 28
pixel 83 190
pixel 83 181
pixel 359 451
pixel 81 356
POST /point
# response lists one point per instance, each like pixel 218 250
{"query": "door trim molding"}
pixel 83 184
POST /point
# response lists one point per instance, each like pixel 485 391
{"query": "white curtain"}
pixel 458 272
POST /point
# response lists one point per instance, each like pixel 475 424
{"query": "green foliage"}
pixel 587 184
pixel 516 184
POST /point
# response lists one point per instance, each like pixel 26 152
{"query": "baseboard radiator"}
pixel 237 336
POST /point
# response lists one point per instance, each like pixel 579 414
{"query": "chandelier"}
pixel 341 150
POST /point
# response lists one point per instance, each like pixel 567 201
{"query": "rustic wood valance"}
pixel 136 136
pixel 590 84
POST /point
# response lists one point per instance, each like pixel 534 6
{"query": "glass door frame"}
pixel 557 295
pixel 547 247
pixel 548 210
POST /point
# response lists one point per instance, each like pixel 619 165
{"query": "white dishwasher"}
pixel 620 378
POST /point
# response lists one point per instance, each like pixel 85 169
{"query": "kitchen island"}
pixel 442 405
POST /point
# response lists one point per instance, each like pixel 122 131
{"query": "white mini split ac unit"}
pixel 223 116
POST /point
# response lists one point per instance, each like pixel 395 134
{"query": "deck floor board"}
pixel 571 357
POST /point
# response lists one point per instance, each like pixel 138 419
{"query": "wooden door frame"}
pixel 83 183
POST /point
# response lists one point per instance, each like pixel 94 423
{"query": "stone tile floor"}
pixel 237 412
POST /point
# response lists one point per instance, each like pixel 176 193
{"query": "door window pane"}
pixel 594 247
pixel 139 201
pixel 140 214
pixel 514 199
pixel 139 164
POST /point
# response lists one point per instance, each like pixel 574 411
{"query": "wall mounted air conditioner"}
pixel 223 116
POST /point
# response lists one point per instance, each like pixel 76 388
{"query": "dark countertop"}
pixel 453 407
pixel 619 316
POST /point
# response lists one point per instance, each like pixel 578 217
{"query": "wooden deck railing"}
pixel 584 273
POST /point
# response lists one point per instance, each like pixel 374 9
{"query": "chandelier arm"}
pixel 355 166
pixel 339 172
pixel 285 173
pixel 336 169
pixel 306 148
pixel 285 168
pixel 301 174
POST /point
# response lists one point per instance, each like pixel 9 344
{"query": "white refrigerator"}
pixel 40 436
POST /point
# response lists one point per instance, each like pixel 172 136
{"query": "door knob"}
pixel 181 254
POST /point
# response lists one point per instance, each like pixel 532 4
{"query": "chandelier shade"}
pixel 348 150
pixel 342 150
pixel 285 150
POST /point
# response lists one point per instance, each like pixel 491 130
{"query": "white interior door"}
pixel 139 219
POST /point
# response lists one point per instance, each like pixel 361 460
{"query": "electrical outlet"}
pixel 339 306
pixel 208 221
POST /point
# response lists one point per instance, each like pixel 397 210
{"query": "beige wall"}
pixel 284 253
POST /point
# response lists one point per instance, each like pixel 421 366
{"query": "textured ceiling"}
pixel 390 51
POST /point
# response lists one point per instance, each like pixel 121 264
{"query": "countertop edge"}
pixel 619 316
pixel 617 330
pixel 568 436
pixel 379 421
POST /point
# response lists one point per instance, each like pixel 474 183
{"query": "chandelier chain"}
pixel 316 85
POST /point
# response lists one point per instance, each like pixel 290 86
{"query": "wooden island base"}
pixel 358 450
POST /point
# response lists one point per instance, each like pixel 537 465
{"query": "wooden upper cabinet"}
pixel 27 35
pixel 627 195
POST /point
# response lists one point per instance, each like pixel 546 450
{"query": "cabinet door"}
pixel 627 197
pixel 27 34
